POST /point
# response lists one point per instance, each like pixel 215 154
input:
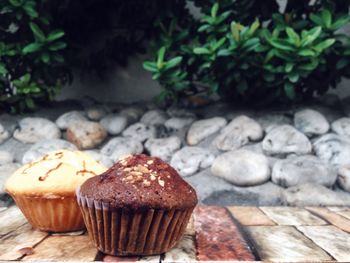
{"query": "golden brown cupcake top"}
pixel 140 182
pixel 58 173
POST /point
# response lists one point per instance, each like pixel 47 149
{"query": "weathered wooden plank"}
pixel 19 242
pixel 184 251
pixel 331 239
pixel 217 236
pixel 284 244
pixel 343 211
pixel 11 219
pixel 335 219
pixel 64 248
pixel 250 216
pixel 292 216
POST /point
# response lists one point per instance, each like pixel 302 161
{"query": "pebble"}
pixel 311 122
pixel 190 159
pixel 154 117
pixel 344 177
pixel 333 149
pixel 70 118
pixel 100 158
pixel 315 195
pixel 34 129
pixel 86 134
pixel 342 127
pixel 242 167
pixel 133 113
pixel 268 121
pixel 6 170
pixel 4 134
pixel 120 146
pixel 41 148
pixel 285 139
pixel 298 170
pixel 163 147
pixel 178 123
pixel 201 129
pixel 96 113
pixel 140 131
pixel 237 133
pixel 114 123
pixel 6 157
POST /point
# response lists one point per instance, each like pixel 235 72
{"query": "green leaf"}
pixel 54 35
pixel 224 52
pixel 38 34
pixel 316 19
pixel 306 53
pixel 253 27
pixel 214 10
pixel 289 66
pixel 30 11
pixel 324 44
pixel 30 103
pixel 150 66
pixel 219 43
pixel 201 51
pixel 45 57
pixel 173 62
pixel 289 90
pixel 340 22
pixel 203 28
pixel 3 69
pixel 293 36
pixel 281 44
pixel 326 17
pixel 251 44
pixel 293 77
pixel 57 46
pixel 160 59
pixel 310 36
pixel 31 48
pixel 15 3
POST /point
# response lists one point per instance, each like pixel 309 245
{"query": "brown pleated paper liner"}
pixel 123 232
pixel 59 214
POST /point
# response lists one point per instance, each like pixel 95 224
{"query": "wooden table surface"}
pixel 277 234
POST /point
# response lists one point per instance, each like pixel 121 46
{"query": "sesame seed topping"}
pixel 161 183
pixel 150 161
pixel 152 177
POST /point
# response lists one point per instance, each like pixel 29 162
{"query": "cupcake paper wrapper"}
pixel 61 214
pixel 125 232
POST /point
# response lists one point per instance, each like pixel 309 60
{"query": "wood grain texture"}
pixel 15 244
pixel 11 219
pixel 331 239
pixel 343 211
pixel 284 244
pixel 292 216
pixel 250 216
pixel 332 217
pixel 64 248
pixel 217 236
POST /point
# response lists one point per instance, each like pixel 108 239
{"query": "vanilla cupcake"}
pixel 44 189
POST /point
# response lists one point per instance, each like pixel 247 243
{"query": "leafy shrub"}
pixel 36 59
pixel 247 51
pixel 31 61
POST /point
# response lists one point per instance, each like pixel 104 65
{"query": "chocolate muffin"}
pixel 140 206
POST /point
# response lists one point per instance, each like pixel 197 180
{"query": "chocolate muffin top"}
pixel 140 182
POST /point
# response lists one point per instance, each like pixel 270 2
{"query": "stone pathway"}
pixel 274 234
pixel 296 156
